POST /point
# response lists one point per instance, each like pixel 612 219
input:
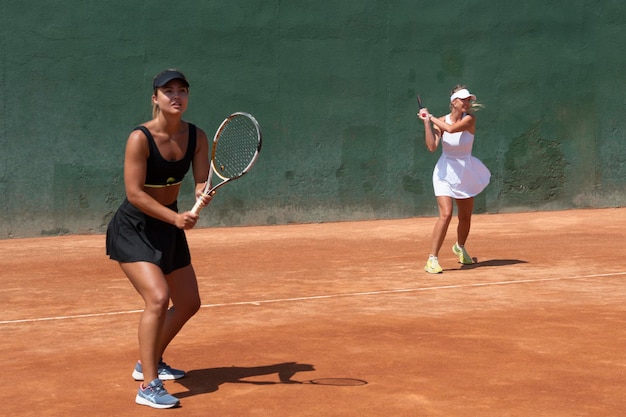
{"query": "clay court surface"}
pixel 536 328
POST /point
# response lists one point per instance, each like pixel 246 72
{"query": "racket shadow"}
pixel 204 381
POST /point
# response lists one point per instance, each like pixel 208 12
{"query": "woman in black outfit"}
pixel 146 235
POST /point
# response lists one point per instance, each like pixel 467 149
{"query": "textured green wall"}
pixel 333 85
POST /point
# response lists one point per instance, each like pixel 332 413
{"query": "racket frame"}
pixel 209 188
pixel 419 102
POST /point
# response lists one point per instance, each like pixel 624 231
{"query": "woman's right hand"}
pixel 424 114
pixel 186 220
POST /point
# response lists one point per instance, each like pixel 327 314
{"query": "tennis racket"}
pixel 236 147
pixel 419 102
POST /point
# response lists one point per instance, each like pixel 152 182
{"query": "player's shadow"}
pixel 493 262
pixel 203 381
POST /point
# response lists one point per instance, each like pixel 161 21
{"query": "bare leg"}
pixel 183 288
pixel 441 226
pixel 150 283
pixel 465 208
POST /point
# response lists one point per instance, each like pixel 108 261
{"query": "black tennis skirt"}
pixel 133 236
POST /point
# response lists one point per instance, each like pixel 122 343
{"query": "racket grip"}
pixel 197 207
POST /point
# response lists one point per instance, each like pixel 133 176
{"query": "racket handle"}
pixel 197 207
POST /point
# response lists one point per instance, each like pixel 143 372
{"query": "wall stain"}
pixel 534 169
pixel 452 64
pixel 411 183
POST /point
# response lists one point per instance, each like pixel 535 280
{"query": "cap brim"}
pixel 168 76
pixel 166 80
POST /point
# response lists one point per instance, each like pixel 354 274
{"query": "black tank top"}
pixel 161 172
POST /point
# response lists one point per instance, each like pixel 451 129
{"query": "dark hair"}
pixel 163 78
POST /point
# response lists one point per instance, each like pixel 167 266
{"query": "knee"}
pixel 189 308
pixel 158 301
pixel 445 216
pixel 465 218
pixel 194 306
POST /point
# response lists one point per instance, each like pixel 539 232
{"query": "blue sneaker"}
pixel 155 395
pixel 165 372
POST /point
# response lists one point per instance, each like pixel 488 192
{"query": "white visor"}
pixel 462 94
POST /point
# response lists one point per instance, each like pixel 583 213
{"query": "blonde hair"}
pixel 155 108
pixel 475 104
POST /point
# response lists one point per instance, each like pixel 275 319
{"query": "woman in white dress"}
pixel 458 176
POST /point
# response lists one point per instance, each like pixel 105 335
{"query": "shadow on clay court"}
pixel 204 381
pixel 493 262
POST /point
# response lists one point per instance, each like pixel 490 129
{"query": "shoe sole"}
pixel 138 376
pixel 142 401
pixel 430 271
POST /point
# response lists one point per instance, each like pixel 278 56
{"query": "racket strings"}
pixel 236 147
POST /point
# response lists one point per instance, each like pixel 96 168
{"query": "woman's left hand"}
pixel 206 198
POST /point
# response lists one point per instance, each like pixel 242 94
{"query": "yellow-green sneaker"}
pixel 432 265
pixel 464 257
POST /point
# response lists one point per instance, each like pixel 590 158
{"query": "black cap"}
pixel 166 76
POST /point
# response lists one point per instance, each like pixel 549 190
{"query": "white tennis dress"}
pixel 458 174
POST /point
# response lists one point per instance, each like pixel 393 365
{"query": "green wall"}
pixel 333 85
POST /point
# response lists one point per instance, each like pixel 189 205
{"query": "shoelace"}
pixel 157 389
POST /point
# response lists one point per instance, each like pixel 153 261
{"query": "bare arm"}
pixel 432 134
pixel 200 164
pixel 135 166
pixel 467 123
